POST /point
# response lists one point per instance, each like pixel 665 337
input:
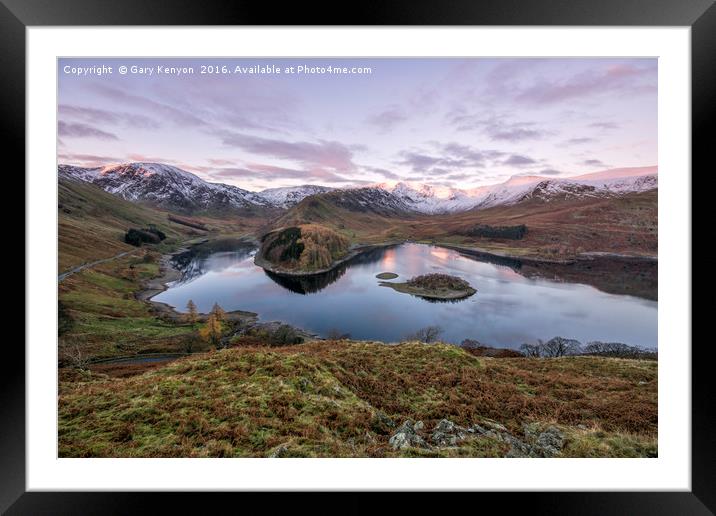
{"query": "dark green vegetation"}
pixel 283 335
pixel 304 248
pixel 337 399
pixel 386 275
pixel 137 237
pixel 484 231
pixel 434 286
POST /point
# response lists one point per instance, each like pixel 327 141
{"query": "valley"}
pixel 316 283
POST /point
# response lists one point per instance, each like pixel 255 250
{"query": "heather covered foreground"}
pixel 361 399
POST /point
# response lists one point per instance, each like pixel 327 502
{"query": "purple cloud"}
pixel 103 116
pixel 178 116
pixel 615 78
pixel 604 125
pixel 322 154
pixel 594 163
pixel 77 130
pixel 519 160
pixel 452 156
pixel 549 172
pixel 579 141
pixel 388 119
pixel 387 174
pixel 87 160
pixel 498 129
pixel 270 172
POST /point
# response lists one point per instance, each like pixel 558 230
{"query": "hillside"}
pixel 92 223
pixel 558 229
pixel 341 399
pixel 345 213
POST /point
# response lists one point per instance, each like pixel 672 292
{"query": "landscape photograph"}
pixel 357 257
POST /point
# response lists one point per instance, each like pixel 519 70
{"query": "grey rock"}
pixel 418 426
pixel 447 433
pixel 518 448
pixel 304 384
pixel 477 429
pixel 550 442
pixel 406 437
pixel 279 451
pixel 494 426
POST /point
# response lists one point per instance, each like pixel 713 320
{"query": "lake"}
pixel 510 306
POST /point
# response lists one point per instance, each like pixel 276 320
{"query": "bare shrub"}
pixel 428 334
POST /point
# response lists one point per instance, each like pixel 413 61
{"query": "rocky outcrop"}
pixel 547 443
pixel 407 436
pixel 536 443
pixel 447 433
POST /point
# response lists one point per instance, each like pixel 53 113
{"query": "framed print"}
pixel 426 248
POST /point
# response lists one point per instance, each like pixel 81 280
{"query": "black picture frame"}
pixel 17 15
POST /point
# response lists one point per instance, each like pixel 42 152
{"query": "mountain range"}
pixel 172 188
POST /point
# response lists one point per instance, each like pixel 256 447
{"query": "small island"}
pixel 303 250
pixel 386 275
pixel 434 286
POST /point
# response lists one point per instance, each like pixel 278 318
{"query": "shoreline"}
pixel 474 251
pixel 167 274
pixel 584 256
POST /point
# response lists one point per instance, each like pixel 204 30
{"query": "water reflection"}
pixel 514 303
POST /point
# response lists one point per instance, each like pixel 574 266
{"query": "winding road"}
pixel 61 277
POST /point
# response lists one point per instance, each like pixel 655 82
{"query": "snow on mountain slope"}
pixel 165 186
pixel 434 200
pixel 286 197
pixel 172 188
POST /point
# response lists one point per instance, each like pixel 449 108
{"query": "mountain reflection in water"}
pixel 515 302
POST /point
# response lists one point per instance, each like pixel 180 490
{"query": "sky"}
pixel 461 123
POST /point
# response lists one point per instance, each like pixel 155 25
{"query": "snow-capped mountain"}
pixel 165 186
pixel 430 199
pixel 288 196
pixel 369 199
pixel 176 189
pixel 434 200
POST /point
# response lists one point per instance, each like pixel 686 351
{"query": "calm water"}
pixel 507 310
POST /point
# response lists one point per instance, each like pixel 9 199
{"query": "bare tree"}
pixel 428 334
pixel 532 350
pixel 336 334
pixel 73 356
pixel 559 347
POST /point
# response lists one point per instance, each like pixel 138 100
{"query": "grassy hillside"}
pixel 92 224
pixel 347 398
pixel 557 229
pixel 101 318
